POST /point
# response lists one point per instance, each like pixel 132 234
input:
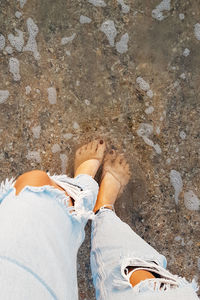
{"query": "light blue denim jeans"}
pixel 40 236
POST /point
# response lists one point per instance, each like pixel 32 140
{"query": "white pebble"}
pixel 68 136
pixel 122 46
pixel 150 93
pixel 52 95
pixel 55 148
pixel 168 161
pixel 100 3
pixel 36 131
pixel 142 84
pixel 64 159
pixel 87 102
pixel 17 41
pixel 68 53
pixel 181 16
pixel 2 42
pixel 34 155
pixel 108 27
pixel 14 68
pixel 18 14
pixel 28 89
pixel 157 148
pixel 9 50
pixel 182 135
pixel 84 20
pixel 183 76
pixel 149 110
pixel 4 94
pixel 197 31
pixel 144 131
pixel 157 13
pixel 68 39
pixel 186 52
pixel 177 183
pixel 22 3
pixel 191 201
pixel 31 45
pixel 125 8
pixel 76 126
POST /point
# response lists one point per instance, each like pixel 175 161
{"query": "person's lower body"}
pixel 41 229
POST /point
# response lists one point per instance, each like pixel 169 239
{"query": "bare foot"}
pixel 115 176
pixel 89 157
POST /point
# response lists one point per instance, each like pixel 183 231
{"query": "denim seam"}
pixel 28 270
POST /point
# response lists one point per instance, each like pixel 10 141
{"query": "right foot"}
pixel 115 176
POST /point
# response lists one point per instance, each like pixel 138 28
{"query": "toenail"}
pixel 101 142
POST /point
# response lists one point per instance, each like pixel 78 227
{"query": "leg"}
pixel 39 238
pixel 111 238
pixel 116 175
pixel 117 251
pixel 34 178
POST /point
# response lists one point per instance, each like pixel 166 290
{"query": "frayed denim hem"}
pixel 82 204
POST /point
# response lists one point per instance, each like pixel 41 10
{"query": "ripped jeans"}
pixel 40 236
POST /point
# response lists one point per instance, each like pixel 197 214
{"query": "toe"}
pixel 111 155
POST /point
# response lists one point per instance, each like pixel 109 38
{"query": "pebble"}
pixel 191 201
pixel 84 20
pixel 149 110
pixel 52 95
pixel 22 3
pixel 18 14
pixel 122 45
pixel 144 131
pixel 108 27
pixel 68 136
pixel 125 8
pixel 76 126
pixel 55 148
pixel 183 76
pixel 150 93
pixel 142 84
pixel 27 89
pixel 157 13
pixel 186 52
pixel 66 40
pixel 182 135
pixel 177 183
pixel 197 31
pixel 99 3
pixel 2 41
pixel 34 155
pixel 9 50
pixel 4 94
pixel 36 131
pixel 181 16
pixel 14 68
pixel 17 41
pixel 31 45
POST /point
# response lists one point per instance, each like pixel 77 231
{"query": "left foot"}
pixel 89 157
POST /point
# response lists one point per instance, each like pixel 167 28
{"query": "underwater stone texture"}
pixel 78 82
